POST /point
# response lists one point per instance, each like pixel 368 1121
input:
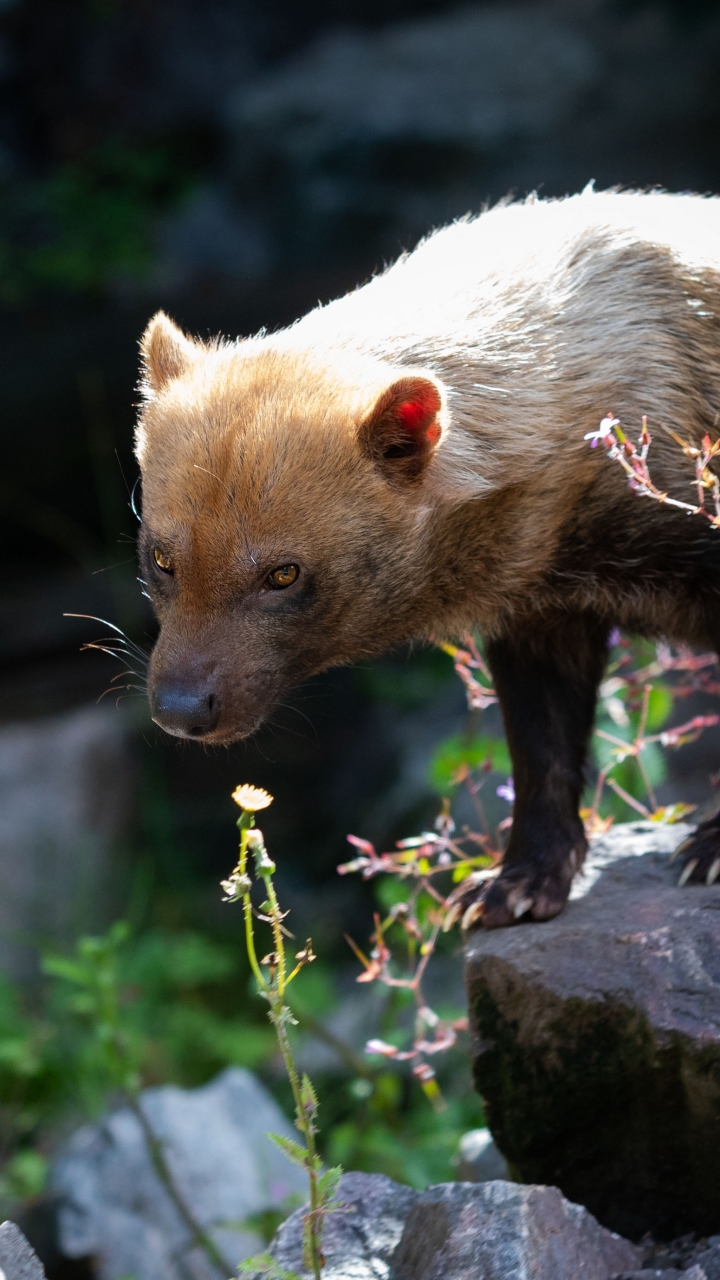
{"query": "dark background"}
pixel 234 163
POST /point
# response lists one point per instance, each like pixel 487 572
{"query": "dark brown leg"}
pixel 699 856
pixel 546 677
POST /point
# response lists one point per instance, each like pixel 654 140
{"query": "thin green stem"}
pixel 155 1150
pixel 274 914
pixel 306 1127
pixel 247 912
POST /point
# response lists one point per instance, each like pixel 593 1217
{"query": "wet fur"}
pixel 524 327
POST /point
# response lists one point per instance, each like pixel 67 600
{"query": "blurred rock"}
pixel 372 131
pixel 66 785
pixel 708 1260
pixel 693 1273
pixel 597 1040
pixel 17 1260
pixel 479 1159
pixel 207 238
pixel 113 1206
pixel 456 1230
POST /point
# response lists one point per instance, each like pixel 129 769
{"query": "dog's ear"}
pixel 165 353
pixel 404 427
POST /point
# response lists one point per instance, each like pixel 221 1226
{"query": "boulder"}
pixel 17 1260
pixel 497 1231
pixel 113 1207
pixel 479 1159
pixel 366 133
pixel 596 1040
pixel 66 787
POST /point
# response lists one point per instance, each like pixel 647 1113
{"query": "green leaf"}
pixel 265 1265
pixel 308 1096
pixel 460 750
pixel 57 967
pixel 291 1149
pixel 660 704
pixel 327 1184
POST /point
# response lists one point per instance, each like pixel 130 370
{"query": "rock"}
pixel 358 1242
pixel 694 1273
pixel 597 1040
pixel 479 1158
pixel 502 1231
pixel 709 1260
pixel 66 785
pixel 393 128
pixel 112 1205
pixel 17 1260
pixel 497 1231
pixel 207 238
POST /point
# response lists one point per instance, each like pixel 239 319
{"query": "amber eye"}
pixel 284 576
pixel 162 561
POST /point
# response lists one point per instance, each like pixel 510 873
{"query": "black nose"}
pixel 185 712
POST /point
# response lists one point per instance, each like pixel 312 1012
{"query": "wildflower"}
pixel 251 798
pixel 235 886
pixel 604 432
pixel 307 955
pixel 507 791
pixel 381 1046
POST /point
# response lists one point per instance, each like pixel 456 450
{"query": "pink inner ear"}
pixel 413 414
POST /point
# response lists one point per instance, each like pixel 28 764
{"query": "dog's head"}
pixel 286 519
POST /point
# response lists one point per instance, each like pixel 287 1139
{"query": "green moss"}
pixel 584 1095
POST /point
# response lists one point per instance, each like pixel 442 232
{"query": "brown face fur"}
pixel 246 471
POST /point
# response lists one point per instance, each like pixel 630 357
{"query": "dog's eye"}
pixel 284 576
pixel 162 561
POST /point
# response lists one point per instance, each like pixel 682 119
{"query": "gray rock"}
pixel 597 1040
pixel 481 72
pixel 66 785
pixel 694 1273
pixel 17 1260
pixel 112 1205
pixel 207 238
pixel 502 1231
pixel 359 1241
pixel 709 1259
pixel 457 1231
pixel 394 126
pixel 479 1158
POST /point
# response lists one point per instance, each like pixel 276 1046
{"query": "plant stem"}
pixel 306 1127
pixel 247 912
pixel 155 1149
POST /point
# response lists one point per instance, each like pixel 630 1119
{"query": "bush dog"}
pixel 410 460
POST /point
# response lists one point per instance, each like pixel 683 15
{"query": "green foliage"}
pixel 406 682
pixel 89 221
pixel 23 1176
pixel 462 752
pixel 394 1131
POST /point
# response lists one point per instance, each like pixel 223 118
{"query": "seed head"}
pixel 251 798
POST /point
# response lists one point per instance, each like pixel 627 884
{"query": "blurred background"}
pixel 235 162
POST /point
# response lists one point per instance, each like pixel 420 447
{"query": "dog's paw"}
pixel 520 891
pixel 699 855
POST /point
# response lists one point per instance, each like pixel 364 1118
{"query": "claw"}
pixel 714 872
pixel 521 907
pixel 452 916
pixel 681 848
pixel 472 915
pixel 687 872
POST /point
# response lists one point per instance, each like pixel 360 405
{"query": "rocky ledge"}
pixel 458 1230
pixel 597 1040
